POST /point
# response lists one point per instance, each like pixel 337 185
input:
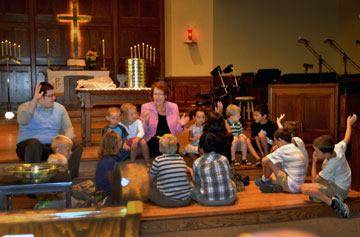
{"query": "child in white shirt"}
pixel 132 124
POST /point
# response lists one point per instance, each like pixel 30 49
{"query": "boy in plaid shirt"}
pixel 212 175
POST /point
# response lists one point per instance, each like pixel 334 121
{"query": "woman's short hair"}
pixel 161 85
pixel 168 143
pixel 209 142
pixel 325 144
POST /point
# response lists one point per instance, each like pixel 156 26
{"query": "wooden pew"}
pixel 106 221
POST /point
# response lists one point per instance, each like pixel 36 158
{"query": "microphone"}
pixel 326 40
pixel 306 65
pixel 302 40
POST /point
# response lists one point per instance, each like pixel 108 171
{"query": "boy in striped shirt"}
pixel 285 168
pixel 169 171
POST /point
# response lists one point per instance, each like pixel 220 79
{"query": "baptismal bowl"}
pixel 34 173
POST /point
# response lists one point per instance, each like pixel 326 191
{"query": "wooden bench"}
pixel 106 221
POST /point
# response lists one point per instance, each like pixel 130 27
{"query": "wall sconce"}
pixel 190 37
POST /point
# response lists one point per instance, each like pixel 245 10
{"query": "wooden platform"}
pixel 251 207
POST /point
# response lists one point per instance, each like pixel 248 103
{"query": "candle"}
pixel 147 51
pixel 131 52
pixel 6 48
pixel 19 52
pixel 150 54
pixel 14 50
pixel 135 51
pixel 139 50
pixel 103 48
pixel 143 50
pixel 10 51
pixel 154 55
pixel 48 47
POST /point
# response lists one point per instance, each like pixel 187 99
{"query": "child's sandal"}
pixel 235 163
pixel 246 162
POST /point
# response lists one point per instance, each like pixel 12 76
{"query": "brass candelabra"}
pixel 9 54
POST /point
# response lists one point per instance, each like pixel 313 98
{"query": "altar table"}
pixel 109 97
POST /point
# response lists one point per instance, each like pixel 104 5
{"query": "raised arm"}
pixel 279 119
pixel 349 122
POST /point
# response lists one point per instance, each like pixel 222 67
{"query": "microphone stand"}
pixel 335 46
pixel 319 58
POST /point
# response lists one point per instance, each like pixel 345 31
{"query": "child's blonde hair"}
pixel 125 111
pixel 60 141
pixel 56 158
pixel 232 110
pixel 168 144
pixel 110 144
pixel 112 110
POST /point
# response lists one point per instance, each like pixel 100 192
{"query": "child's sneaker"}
pixel 340 207
pixel 271 188
pixel 259 182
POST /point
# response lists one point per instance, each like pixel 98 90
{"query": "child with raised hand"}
pixel 212 175
pixel 108 150
pixel 331 184
pixel 61 146
pixel 195 132
pixel 262 132
pixel 172 187
pixel 297 141
pixel 133 126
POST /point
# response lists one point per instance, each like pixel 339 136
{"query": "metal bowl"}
pixel 34 173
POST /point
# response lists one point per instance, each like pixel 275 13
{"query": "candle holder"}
pixel 6 56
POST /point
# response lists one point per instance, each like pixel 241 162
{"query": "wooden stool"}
pixel 246 108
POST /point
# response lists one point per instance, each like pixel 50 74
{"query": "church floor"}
pixel 251 207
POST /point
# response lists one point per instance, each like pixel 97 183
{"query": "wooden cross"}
pixel 76 19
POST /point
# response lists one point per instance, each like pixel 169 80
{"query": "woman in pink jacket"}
pixel 160 117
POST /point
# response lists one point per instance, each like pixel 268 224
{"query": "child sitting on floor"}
pixel 113 117
pixel 331 184
pixel 195 132
pixel 172 187
pixel 283 169
pixel 61 146
pixel 133 125
pixel 262 132
pixel 212 175
pixel 108 150
pixel 297 141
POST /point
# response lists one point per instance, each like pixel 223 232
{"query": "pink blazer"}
pixel 172 118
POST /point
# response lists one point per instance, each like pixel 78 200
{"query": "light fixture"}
pixel 190 37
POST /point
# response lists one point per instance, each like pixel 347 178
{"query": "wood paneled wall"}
pixel 121 23
pixel 185 90
pixel 315 105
